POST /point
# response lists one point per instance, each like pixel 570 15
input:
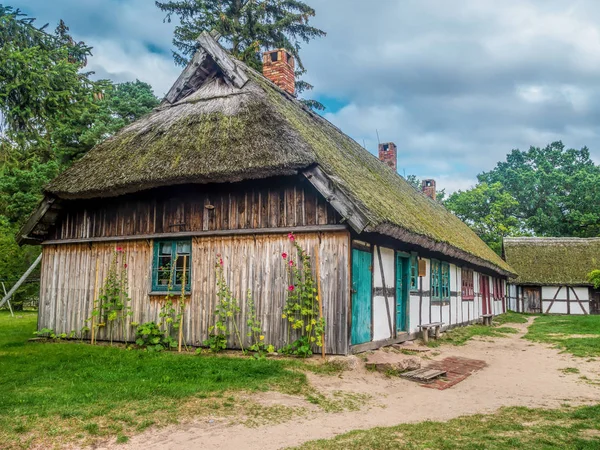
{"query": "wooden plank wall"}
pixel 250 262
pixel 273 203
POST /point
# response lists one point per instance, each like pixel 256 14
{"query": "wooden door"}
pixel 401 292
pixel 361 296
pixel 484 288
pixel 595 303
pixel 532 299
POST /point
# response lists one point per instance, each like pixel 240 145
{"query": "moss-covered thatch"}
pixel 552 261
pixel 223 134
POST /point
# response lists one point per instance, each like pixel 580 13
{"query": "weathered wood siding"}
pixel 272 203
pixel 250 262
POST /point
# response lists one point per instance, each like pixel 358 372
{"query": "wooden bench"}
pixel 487 319
pixel 435 326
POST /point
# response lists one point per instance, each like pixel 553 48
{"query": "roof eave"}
pixel 401 234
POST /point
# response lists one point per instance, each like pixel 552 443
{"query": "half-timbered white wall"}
pixel 384 318
pixel 419 308
pixel 573 300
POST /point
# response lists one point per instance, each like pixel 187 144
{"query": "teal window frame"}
pixel 157 265
pixel 445 281
pixel 435 280
pixel 414 273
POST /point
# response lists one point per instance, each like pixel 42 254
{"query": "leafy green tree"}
pixel 14 261
pixel 489 210
pixel 247 25
pixel 114 106
pixel 40 83
pixel 557 189
pixel 551 191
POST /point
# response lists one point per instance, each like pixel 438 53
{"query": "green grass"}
pixel 460 335
pixel 563 331
pixel 55 392
pixel 510 428
pixel 510 317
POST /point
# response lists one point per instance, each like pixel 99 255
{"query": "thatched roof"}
pixel 552 261
pixel 224 122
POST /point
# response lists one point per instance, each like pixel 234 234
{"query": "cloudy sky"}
pixel 456 84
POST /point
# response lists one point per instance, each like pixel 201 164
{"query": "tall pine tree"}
pixel 248 26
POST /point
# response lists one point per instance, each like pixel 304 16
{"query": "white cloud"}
pixel 456 84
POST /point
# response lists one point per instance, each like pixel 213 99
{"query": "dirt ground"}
pixel 519 373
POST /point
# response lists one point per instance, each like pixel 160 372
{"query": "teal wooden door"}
pixel 401 292
pixel 361 297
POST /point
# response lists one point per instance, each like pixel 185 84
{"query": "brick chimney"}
pixel 428 187
pixel 388 154
pixel 279 67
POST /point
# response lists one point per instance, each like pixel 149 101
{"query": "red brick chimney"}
pixel 428 187
pixel 388 154
pixel 279 67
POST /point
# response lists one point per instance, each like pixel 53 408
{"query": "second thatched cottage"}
pixel 229 164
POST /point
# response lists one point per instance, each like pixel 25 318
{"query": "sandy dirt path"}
pixel 518 373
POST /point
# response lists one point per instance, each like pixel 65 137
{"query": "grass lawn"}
pixel 461 335
pixel 55 392
pixel 510 428
pixel 578 335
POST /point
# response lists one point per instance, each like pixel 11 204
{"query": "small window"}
pixel 170 257
pixel 414 273
pixel 445 268
pixel 435 278
pixel 468 293
pixel 274 56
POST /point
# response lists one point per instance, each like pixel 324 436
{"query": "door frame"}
pixel 366 250
pixel 484 290
pixel 402 264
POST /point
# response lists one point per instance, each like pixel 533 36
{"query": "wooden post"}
pixel 8 301
pixel 93 327
pixel 21 281
pixel 319 297
pixel 182 302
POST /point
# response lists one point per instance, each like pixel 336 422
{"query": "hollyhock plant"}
pixel 301 309
pixel 284 255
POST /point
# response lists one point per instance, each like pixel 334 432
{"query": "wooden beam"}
pixel 184 234
pixel 237 75
pixel 21 281
pixel 44 206
pixel 185 77
pixel 338 199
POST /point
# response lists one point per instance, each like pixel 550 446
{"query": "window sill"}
pixel 164 293
pixel 468 299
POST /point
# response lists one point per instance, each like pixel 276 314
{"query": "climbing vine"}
pixel 301 309
pixel 111 309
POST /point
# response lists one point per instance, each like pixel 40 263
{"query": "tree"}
pixel 489 210
pixel 557 189
pixel 40 83
pixel 247 26
pixel 549 191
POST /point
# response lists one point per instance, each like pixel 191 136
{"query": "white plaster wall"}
pixel 557 307
pixel 387 259
pixel 511 301
pixel 583 293
pixel 578 309
pixel 549 292
pixel 381 320
pixel 413 318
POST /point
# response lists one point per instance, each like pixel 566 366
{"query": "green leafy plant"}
pixel 594 278
pixel 226 312
pixel 301 309
pixel 112 306
pixel 255 331
pixel 153 338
